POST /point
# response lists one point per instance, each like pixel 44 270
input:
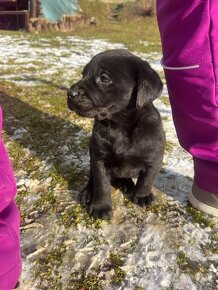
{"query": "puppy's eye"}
pixel 104 78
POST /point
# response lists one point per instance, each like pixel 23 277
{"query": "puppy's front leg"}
pixel 100 205
pixel 143 195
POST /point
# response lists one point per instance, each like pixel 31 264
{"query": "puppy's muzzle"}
pixel 74 93
pixel 77 99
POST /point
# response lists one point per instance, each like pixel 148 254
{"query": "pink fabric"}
pixel 10 260
pixel 189 34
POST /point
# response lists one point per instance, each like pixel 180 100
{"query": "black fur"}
pixel 117 90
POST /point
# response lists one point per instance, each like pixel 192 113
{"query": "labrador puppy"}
pixel 117 89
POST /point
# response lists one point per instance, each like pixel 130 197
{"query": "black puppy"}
pixel 117 90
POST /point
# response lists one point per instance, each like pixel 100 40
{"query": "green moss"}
pixel 181 259
pixel 199 217
pixel 46 268
pixel 211 247
pixel 169 146
pixel 115 262
pixel 20 195
pixel 191 267
pixel 164 210
pixel 17 153
pixel 73 216
pixel 57 178
pixel 46 202
pixel 119 276
pixel 83 282
pixel 78 214
pixel 165 100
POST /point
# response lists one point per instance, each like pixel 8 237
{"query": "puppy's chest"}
pixel 122 154
pixel 121 143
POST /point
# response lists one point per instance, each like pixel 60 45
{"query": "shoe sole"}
pixel 202 206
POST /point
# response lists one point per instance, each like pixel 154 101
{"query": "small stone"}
pixel 32 226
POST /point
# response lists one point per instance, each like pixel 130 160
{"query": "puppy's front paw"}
pixel 143 201
pixel 100 211
pixel 85 195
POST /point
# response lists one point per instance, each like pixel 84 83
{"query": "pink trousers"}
pixel 189 35
pixel 10 260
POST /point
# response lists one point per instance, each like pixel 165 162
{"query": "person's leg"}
pixel 190 61
pixel 10 260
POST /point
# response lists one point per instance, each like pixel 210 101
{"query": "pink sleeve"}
pixel 10 258
pixel 7 179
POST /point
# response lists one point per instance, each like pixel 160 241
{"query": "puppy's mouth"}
pixel 83 111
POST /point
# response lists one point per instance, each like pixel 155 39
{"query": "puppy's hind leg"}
pixel 126 185
pixel 143 195
pixel 86 193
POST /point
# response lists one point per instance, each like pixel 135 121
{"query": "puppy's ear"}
pixel 149 85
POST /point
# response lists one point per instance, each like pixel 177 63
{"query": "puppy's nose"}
pixel 72 94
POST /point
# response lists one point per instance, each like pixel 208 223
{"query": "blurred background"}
pixel 64 15
pixel 128 21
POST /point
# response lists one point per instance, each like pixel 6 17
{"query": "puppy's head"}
pixel 114 81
